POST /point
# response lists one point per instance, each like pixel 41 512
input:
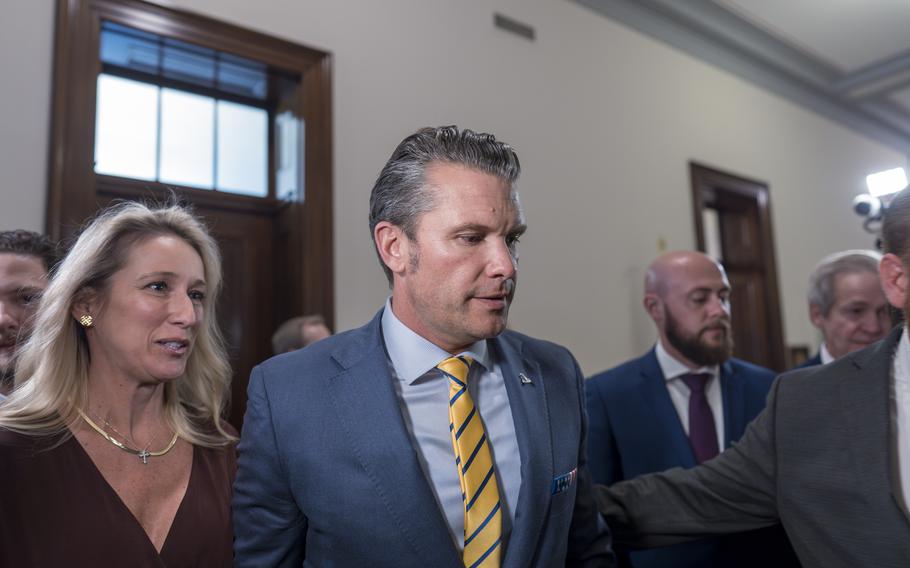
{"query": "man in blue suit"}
pixel 681 403
pixel 432 436
pixel 847 304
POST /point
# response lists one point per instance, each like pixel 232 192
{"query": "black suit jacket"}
pixel 820 459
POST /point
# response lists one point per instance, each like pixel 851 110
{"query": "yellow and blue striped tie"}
pixel 479 489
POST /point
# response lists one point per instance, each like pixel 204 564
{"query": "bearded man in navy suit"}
pixel 681 403
pixel 350 452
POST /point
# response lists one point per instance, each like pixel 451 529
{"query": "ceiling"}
pixel 847 59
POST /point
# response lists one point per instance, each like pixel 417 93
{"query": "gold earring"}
pixel 86 321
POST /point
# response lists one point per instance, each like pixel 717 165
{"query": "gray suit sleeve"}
pixel 589 538
pixel 734 492
pixel 269 528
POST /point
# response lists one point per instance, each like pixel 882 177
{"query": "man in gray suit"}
pixel 829 457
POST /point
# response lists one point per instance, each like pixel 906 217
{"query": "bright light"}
pixel 886 182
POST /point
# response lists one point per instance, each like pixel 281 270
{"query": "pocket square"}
pixel 564 482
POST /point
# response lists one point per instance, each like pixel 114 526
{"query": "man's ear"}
pixel 654 306
pixel 393 246
pixel 816 316
pixel 894 280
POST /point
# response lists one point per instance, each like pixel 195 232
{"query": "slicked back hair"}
pixel 896 226
pixel 400 195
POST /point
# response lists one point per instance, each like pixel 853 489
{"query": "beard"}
pixel 695 348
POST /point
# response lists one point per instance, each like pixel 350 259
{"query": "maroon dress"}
pixel 56 509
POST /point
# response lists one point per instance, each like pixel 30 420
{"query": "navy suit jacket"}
pixel 634 429
pixel 811 361
pixel 328 474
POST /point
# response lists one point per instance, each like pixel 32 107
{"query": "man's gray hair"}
pixel 822 279
pixel 399 195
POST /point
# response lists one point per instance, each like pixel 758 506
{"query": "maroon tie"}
pixel 702 432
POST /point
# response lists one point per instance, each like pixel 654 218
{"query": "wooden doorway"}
pixel 276 247
pixel 733 223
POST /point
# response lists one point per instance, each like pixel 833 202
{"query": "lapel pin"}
pixel 525 380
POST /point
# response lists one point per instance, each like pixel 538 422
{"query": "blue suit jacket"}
pixel 635 429
pixel 329 475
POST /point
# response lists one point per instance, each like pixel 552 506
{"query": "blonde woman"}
pixel 112 447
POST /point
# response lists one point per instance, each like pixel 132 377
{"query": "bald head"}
pixel 679 268
pixel 687 296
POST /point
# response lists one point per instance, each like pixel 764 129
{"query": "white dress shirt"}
pixel 901 373
pixel 673 369
pixel 824 354
pixel 423 393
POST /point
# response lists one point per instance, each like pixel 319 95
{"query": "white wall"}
pixel 605 121
pixel 26 52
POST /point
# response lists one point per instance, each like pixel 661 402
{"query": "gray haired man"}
pixel 847 304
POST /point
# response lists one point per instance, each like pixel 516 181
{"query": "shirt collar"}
pixel 673 368
pixel 902 359
pixel 824 354
pixel 412 355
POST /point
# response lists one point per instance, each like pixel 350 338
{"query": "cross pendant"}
pixel 144 456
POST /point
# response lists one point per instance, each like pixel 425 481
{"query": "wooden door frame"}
pixel 705 179
pixel 75 191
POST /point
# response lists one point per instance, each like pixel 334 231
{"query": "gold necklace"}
pixel 107 424
pixel 143 454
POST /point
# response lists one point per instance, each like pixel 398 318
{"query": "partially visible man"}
pixel 847 304
pixel 297 333
pixel 25 260
pixel 681 403
pixel 432 436
pixel 829 457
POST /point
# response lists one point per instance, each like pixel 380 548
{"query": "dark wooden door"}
pixel 742 212
pixel 246 309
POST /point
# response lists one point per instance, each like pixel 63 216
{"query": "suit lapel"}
pixel 865 395
pixel 653 390
pixel 531 415
pixel 733 393
pixel 367 405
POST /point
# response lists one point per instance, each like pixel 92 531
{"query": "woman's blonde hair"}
pixel 52 371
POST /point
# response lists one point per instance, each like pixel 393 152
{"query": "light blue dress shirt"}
pixel 423 393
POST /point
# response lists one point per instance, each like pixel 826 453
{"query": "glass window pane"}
pixel 289 138
pixel 126 128
pixel 188 62
pixel 187 138
pixel 242 149
pixel 242 76
pixel 128 47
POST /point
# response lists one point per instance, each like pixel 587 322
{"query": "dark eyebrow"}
pixel 519 229
pixel 29 290
pixel 708 290
pixel 471 227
